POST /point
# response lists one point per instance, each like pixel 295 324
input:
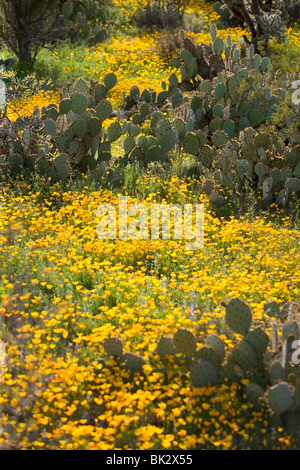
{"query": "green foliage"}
pixel 27 25
pixel 267 385
pixel 218 114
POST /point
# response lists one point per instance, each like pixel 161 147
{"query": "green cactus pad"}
pixel 219 138
pixel 291 157
pixel 155 118
pixel 277 162
pixel 202 138
pixel 293 185
pixel 79 128
pixel 137 119
pixel 233 87
pixel 280 397
pixel 220 91
pixel 166 139
pixel 296 172
pixel 257 116
pixel 114 131
pixel 218 111
pixel 144 109
pixel 203 373
pixel 165 346
pixel 143 142
pixel 238 316
pixel 262 139
pixel 137 154
pixel 110 81
pixel 50 128
pixel 265 62
pixel 133 362
pixel 94 126
pixel 42 165
pixel 190 143
pixel 216 124
pixel 213 32
pixel 82 87
pixel 256 62
pixel 153 154
pixel 196 103
pixel 277 373
pixel 206 156
pixel 206 353
pixel 261 170
pixel 113 346
pixel 51 112
pixel 208 186
pixel 247 348
pixel 217 344
pixel 186 55
pixel 64 171
pixel 177 100
pixel 241 359
pixel 104 109
pixel 100 92
pixel 16 163
pixel 258 339
pixel 179 127
pixel 162 97
pixel 134 129
pixel 218 46
pixel 62 159
pixel 79 103
pixel 185 342
pixel 244 122
pixel 206 87
pixel 65 106
pixel 229 128
pixel 173 80
pixel 253 393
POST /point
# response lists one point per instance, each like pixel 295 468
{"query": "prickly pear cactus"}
pixel 113 346
pixel 185 342
pixel 133 362
pixel 203 373
pixel 280 397
pixel 238 316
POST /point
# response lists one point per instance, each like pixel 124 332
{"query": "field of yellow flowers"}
pixel 63 291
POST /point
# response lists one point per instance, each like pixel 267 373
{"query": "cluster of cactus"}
pixel 272 25
pixel 113 346
pixel 259 158
pixel 214 113
pixel 66 137
pixel 262 19
pixel 267 366
pixel 96 33
pixel 218 123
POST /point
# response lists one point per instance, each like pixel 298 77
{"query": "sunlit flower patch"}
pixel 64 291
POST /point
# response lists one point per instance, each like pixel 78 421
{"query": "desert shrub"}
pixel 167 45
pixel 160 14
pixel 28 25
pixel 264 20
